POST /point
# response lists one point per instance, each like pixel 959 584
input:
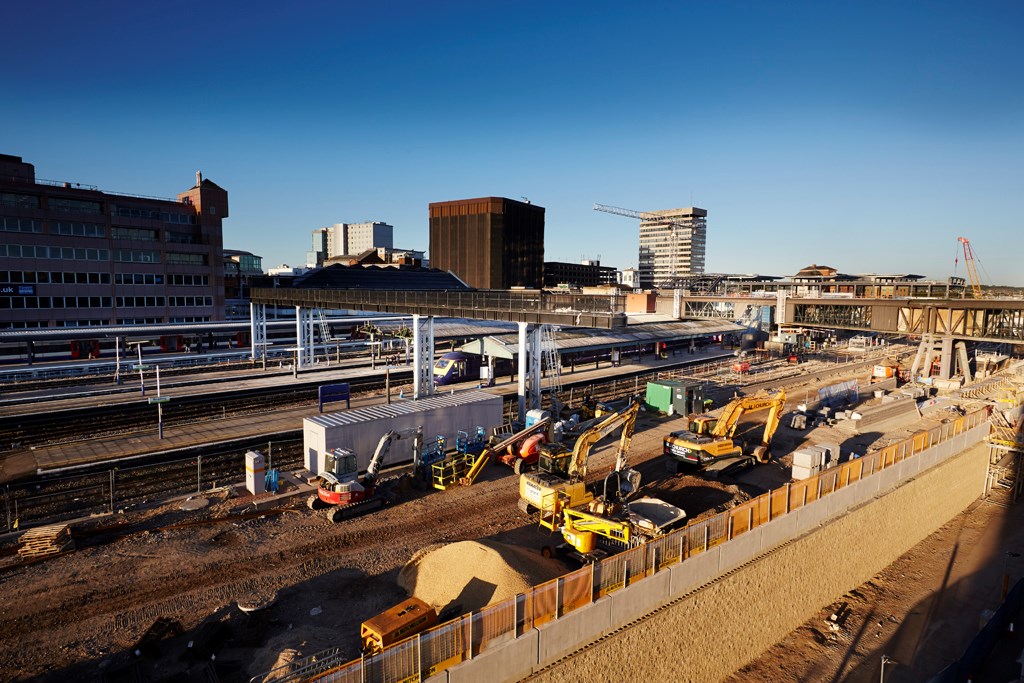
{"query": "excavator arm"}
pixel 485 454
pixel 384 445
pixel 625 418
pixel 731 414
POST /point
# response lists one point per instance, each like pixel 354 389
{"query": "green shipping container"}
pixel 673 397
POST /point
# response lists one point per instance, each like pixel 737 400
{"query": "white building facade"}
pixel 672 245
pixel 350 239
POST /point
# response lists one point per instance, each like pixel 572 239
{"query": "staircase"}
pixel 325 328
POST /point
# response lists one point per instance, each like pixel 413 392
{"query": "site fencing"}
pixel 468 636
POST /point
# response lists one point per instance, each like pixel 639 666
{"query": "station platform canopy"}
pixel 586 339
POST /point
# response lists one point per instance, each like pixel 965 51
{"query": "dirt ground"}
pixel 184 572
pixel 922 611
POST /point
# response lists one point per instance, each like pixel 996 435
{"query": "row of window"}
pixel 10 224
pixel 22 201
pixel 57 277
pixel 78 229
pixel 190 280
pixel 54 277
pixel 136 256
pixel 191 259
pixel 20 302
pixel 138 279
pixel 134 234
pixel 153 214
pixel 63 253
pixel 31 201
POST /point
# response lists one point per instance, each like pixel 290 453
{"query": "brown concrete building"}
pixel 489 242
pixel 72 255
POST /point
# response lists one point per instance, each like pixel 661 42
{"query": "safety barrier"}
pixel 469 636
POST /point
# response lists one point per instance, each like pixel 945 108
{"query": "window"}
pixel 136 256
pixel 181 238
pixel 22 201
pixel 74 205
pixel 192 259
pixel 77 229
pixel 134 234
pixel 190 280
pixel 9 224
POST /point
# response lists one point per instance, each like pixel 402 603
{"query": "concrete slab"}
pixel 511 661
pixel 778 531
pixel 568 633
pixel 740 550
pixel 643 597
pixel 693 572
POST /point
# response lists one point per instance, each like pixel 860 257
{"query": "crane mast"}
pixel 972 272
pixel 652 217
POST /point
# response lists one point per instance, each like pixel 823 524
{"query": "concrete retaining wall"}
pixel 798 578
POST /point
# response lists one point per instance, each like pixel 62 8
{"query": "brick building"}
pixel 72 255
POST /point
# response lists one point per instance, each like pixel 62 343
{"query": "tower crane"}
pixel 972 272
pixel 648 216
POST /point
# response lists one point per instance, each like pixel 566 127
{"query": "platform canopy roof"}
pixel 586 339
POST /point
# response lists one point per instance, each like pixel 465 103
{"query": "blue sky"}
pixel 866 136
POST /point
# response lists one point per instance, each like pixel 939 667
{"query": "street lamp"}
pixel 886 660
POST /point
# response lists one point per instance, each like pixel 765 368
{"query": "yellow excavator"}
pixel 708 441
pixel 560 479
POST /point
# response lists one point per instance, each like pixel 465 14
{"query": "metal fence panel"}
pixel 666 551
pixel 494 622
pixel 544 602
pixel 609 575
pixel 350 672
pixel 577 589
pixel 445 645
pixel 400 662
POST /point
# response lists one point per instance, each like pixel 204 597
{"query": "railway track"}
pixel 110 486
pixel 41 429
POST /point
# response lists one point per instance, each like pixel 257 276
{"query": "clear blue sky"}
pixel 866 136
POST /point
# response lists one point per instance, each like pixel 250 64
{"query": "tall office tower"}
pixel 489 242
pixel 672 245
pixel 72 255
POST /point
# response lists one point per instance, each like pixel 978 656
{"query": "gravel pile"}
pixel 468 575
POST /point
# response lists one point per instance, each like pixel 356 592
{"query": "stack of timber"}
pixel 45 540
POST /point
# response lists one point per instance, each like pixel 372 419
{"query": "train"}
pixel 27 351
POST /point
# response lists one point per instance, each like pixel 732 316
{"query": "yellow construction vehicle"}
pixel 608 524
pixel 708 442
pixel 560 479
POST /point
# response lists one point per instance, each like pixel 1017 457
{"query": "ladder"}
pixel 325 328
pixel 549 351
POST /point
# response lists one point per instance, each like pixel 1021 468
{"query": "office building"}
pixel 349 239
pixel 73 255
pixel 671 246
pixel 489 242
pixel 584 274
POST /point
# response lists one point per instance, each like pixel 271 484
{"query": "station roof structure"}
pixel 582 339
pixel 423 291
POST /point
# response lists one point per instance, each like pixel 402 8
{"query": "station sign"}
pixel 142 367
pixel 159 399
pixel 17 290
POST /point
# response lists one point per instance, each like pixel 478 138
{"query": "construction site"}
pixel 731 500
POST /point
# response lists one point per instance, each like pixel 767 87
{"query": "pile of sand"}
pixel 468 575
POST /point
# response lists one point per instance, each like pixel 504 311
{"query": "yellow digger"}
pixel 708 442
pixel 560 479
